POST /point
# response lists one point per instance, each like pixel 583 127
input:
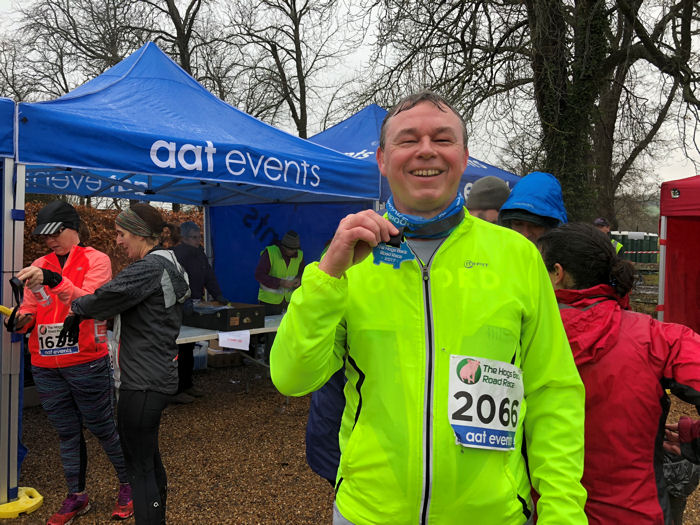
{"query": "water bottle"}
pixel 41 296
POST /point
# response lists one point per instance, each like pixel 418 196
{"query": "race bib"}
pixel 51 344
pixel 484 403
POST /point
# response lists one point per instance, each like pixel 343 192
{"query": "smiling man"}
pixel 457 364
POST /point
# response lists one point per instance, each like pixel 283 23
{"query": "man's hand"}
pixel 354 239
pixel 672 441
pixel 687 430
pixel 290 284
pixel 23 320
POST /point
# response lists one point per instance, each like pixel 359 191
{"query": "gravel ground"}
pixel 231 457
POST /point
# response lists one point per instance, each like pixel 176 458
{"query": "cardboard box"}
pixel 223 358
pixel 236 316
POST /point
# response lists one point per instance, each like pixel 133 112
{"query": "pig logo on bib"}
pixel 469 371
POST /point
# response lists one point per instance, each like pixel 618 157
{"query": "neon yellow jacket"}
pixel 486 293
pixel 279 269
pixel 617 245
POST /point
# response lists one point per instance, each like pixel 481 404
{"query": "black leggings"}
pixel 185 365
pixel 138 419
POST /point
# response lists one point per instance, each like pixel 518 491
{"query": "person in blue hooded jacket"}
pixel 535 206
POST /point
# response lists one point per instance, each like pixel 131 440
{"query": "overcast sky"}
pixel 676 167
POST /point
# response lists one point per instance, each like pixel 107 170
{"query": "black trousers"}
pixel 138 419
pixel 185 365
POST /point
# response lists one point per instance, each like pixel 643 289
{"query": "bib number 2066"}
pixel 486 410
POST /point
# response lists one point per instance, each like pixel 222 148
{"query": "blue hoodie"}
pixel 538 193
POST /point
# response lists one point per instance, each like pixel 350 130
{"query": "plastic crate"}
pixel 200 353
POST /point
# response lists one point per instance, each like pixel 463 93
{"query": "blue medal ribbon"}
pixel 434 228
pixel 396 251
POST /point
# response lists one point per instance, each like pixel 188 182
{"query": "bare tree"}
pixel 289 45
pixel 176 29
pixel 590 69
pixel 70 41
pixel 638 207
pixel 15 81
pixel 67 42
pixel 225 70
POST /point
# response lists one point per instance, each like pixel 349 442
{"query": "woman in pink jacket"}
pixel 73 377
pixel 627 360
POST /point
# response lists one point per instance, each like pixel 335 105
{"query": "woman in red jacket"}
pixel 627 360
pixel 73 377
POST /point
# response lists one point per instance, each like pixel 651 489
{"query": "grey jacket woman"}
pixel 146 300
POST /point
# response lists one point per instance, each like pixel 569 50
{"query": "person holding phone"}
pixel 72 375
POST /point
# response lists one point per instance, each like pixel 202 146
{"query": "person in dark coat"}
pixel 146 298
pixel 323 426
pixel 191 256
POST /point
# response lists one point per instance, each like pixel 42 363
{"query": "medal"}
pixel 394 255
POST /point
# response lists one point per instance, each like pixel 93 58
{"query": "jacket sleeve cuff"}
pixel 320 282
pixel 688 430
pixel 64 286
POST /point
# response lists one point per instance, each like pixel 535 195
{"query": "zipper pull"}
pixel 426 276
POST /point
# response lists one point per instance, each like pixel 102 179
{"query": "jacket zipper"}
pixel 428 401
pixel 428 427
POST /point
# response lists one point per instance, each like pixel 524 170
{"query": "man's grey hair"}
pixel 412 101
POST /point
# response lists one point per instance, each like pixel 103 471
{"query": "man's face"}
pixel 604 229
pixel 423 159
pixel 486 215
pixel 529 229
pixel 193 238
pixel 289 252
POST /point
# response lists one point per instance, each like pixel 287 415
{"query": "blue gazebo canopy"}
pixel 7 115
pixel 146 129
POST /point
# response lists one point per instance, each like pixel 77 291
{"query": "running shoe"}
pixel 124 507
pixel 194 392
pixel 74 505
